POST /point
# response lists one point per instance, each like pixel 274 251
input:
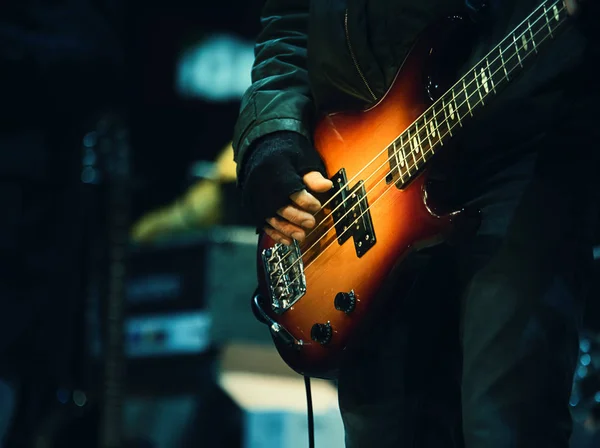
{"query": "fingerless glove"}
pixel 273 171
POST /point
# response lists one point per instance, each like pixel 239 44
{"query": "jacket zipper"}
pixel 360 73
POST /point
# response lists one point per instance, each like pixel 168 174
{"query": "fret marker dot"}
pixel 484 81
pixel 415 144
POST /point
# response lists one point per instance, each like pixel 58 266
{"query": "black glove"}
pixel 273 171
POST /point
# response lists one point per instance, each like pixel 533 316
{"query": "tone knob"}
pixel 321 333
pixel 345 302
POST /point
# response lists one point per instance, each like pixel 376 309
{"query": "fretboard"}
pixel 420 141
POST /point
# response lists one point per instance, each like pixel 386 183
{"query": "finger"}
pixel 297 216
pixel 276 236
pixel 306 201
pixel 316 182
pixel 286 228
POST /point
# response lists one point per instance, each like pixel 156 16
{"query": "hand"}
pixel 293 220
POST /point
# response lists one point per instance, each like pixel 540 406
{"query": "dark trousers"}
pixel 478 343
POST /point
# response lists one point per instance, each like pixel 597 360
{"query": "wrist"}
pixel 289 144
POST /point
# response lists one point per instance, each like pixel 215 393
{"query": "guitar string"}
pixel 439 113
pixel 421 157
pixel 428 149
pixel 389 188
pixel 434 116
pixel 383 178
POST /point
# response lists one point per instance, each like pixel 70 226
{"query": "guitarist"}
pixel 481 351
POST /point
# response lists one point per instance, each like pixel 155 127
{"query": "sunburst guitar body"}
pixel 315 296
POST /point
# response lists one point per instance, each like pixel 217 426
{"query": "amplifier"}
pixel 189 293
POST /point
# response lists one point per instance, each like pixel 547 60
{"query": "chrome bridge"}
pixel 284 271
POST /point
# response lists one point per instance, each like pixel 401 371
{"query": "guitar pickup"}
pixel 351 214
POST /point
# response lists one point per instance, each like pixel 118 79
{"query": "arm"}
pixel 279 98
pixel 277 165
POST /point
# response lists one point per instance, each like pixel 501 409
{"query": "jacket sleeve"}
pixel 279 98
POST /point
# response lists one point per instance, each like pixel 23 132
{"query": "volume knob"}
pixel 321 333
pixel 345 302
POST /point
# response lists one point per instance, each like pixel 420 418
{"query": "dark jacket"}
pixel 317 56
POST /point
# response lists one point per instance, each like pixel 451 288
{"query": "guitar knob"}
pixel 321 333
pixel 345 302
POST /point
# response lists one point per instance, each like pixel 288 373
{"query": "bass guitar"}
pixel 315 295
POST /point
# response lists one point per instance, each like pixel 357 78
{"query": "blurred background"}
pixel 122 222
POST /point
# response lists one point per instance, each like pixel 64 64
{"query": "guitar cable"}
pixel 309 409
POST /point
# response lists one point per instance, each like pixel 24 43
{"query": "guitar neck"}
pixel 420 141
